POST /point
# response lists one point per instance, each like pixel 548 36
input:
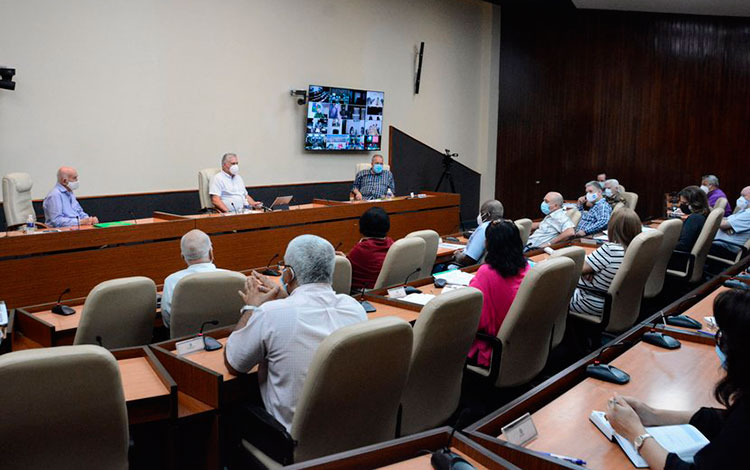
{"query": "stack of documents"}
pixel 455 277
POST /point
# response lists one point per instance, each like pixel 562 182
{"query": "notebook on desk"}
pixel 683 439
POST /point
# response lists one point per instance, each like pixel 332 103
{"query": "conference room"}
pixel 484 234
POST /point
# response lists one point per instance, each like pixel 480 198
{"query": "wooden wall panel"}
pixel 654 100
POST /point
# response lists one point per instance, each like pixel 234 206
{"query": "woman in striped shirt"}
pixel 601 266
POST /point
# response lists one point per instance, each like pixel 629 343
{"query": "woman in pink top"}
pixel 498 279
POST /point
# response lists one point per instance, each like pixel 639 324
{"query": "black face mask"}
pixel 685 208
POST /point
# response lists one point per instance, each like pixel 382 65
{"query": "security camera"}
pixel 6 78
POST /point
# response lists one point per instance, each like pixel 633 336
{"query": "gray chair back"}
pixel 401 261
pixel 578 255
pixel 17 198
pixel 121 312
pixel 631 199
pixel 63 408
pixel 204 181
pixel 202 297
pixel 431 242
pixel 671 230
pixel 342 275
pixel 703 243
pixel 443 334
pixel 524 229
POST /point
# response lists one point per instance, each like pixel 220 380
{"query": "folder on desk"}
pixel 683 439
pixel 112 224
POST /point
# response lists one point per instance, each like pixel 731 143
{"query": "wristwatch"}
pixel 638 442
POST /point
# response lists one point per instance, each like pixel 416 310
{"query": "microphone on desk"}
pixel 659 338
pixel 269 271
pixel 209 343
pixel 682 320
pixel 445 459
pixel 132 214
pixel 411 289
pixel 61 309
pixel 338 246
pixel 234 207
pixel 608 372
pixel 78 220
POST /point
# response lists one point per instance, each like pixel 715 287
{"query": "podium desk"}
pixel 408 453
pixel 680 379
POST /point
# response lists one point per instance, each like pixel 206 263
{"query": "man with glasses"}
pixel 282 326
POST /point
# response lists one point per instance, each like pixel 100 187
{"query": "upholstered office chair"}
pixel 623 298
pixel 521 347
pixel 574 215
pixel 352 391
pixel 120 312
pixel 619 205
pixel 578 255
pixel 63 408
pixel 367 166
pixel 721 203
pixel 431 242
pixel 671 230
pixel 342 275
pixel 17 200
pixel 631 199
pixel 524 229
pixel 404 257
pixel 443 334
pixel 202 297
pixel 204 181
pixel 696 259
pixel 742 251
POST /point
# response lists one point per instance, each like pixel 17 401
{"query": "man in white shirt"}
pixel 198 254
pixel 281 327
pixel 556 225
pixel 227 189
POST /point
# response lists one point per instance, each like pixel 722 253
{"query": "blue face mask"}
pixel 545 208
pixel 377 168
pixel 722 357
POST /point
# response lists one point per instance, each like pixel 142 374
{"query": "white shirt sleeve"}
pixel 246 348
pixel 214 187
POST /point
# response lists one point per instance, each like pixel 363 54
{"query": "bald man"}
pixel 475 248
pixel 61 208
pixel 556 225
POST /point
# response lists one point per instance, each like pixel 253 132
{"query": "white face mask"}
pixel 704 188
pixel 479 220
pixel 591 197
pixel 72 185
pixel 607 192
pixel 234 169
pixel 742 202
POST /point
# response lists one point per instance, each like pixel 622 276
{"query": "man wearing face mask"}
pixel 556 225
pixel 596 218
pixel 743 202
pixel 601 179
pixel 373 183
pixel 281 327
pixel 612 193
pixel 61 208
pixel 198 254
pixel 710 186
pixel 475 248
pixel 227 189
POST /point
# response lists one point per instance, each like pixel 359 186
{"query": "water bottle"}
pixel 30 225
pixel 389 194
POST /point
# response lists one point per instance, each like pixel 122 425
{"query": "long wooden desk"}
pixel 46 263
pixel 681 379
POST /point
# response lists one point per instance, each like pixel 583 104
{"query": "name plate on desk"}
pixel 189 346
pixel 397 292
pixel 521 431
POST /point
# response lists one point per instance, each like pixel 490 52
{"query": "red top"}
pixel 367 258
pixel 499 293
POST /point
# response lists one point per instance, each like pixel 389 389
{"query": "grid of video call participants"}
pixel 343 119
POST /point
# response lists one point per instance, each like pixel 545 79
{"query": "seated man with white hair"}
pixel 613 193
pixel 198 255
pixel 281 327
pixel 61 208
pixel 596 218
pixel 556 225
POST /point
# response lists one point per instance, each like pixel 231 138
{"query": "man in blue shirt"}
pixel 373 183
pixel 596 218
pixel 472 254
pixel 61 208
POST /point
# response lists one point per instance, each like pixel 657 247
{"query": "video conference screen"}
pixel 343 119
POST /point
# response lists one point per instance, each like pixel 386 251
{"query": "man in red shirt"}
pixel 368 254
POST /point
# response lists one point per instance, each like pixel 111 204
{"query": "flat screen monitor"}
pixel 342 119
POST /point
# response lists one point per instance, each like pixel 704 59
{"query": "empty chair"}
pixel 574 214
pixel 404 257
pixel 17 199
pixel 431 240
pixel 623 298
pixel 631 199
pixel 69 401
pixel 524 229
pixel 721 203
pixel 204 181
pixel 521 348
pixel 443 334
pixel 367 166
pixel 671 230
pixel 119 312
pixel 342 275
pixel 696 259
pixel 203 297
pixel 578 255
pixel 352 391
